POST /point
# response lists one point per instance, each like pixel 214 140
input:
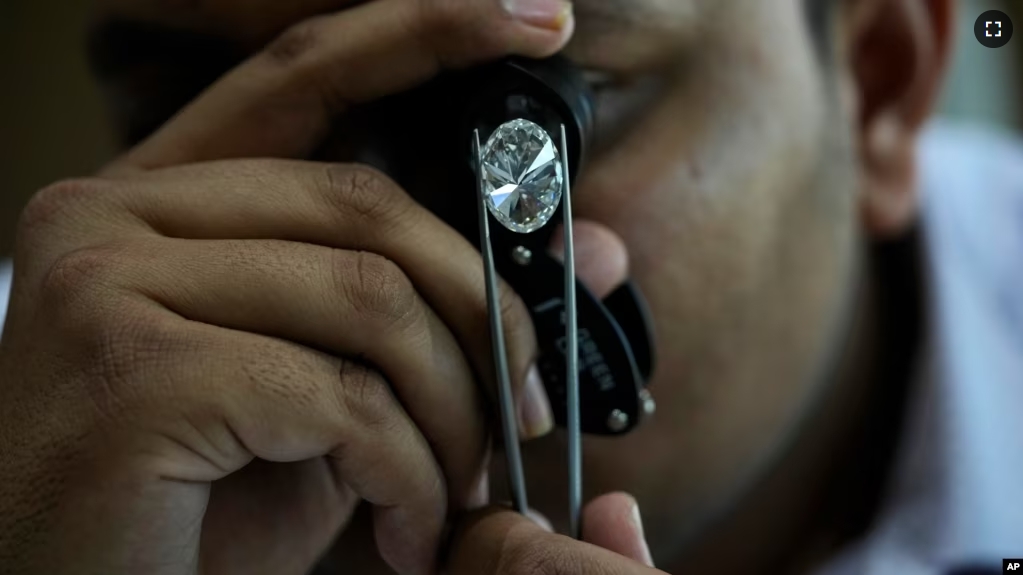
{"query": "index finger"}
pixel 280 102
pixel 498 541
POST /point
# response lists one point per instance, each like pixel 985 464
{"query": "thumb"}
pixel 499 540
pixel 612 521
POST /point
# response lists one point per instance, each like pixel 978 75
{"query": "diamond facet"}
pixel 522 176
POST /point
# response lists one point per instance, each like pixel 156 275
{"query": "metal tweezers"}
pixel 509 423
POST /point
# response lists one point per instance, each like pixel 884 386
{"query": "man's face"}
pixel 726 166
pixel 729 174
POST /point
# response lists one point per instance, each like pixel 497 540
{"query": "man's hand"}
pixel 188 312
pixel 500 542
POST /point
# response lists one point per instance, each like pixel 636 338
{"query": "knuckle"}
pixel 296 42
pixel 379 290
pixel 115 338
pixel 364 396
pixel 78 272
pixel 367 195
pixel 53 202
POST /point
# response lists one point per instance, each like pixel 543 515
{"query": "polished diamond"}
pixel 522 176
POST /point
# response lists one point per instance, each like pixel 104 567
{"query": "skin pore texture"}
pixel 745 165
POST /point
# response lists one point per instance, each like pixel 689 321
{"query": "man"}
pixel 214 351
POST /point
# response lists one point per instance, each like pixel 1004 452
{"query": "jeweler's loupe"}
pixel 492 151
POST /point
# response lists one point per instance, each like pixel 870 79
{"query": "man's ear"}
pixel 895 53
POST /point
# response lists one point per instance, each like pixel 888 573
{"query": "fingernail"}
pixel 637 522
pixel 552 14
pixel 535 416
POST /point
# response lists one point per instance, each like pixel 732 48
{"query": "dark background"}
pixel 51 119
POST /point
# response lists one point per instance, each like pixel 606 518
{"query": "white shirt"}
pixel 956 498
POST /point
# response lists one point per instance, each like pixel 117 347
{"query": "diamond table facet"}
pixel 522 176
